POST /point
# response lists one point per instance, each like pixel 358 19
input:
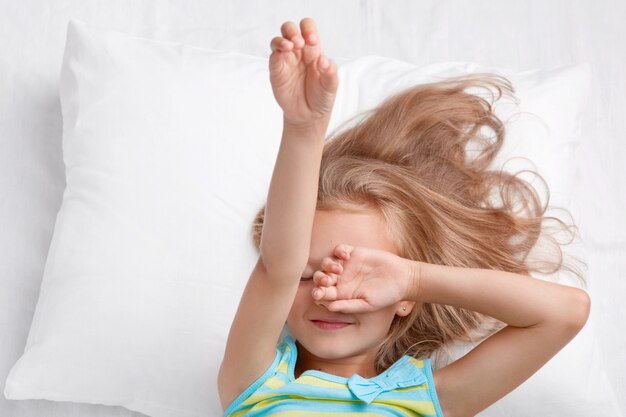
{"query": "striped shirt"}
pixel 405 389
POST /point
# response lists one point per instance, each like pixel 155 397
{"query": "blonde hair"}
pixel 408 160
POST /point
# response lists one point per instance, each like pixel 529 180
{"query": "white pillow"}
pixel 169 151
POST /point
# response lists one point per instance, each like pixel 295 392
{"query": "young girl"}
pixel 380 247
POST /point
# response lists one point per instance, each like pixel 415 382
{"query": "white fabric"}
pixel 542 34
pixel 168 152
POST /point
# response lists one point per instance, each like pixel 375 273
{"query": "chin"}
pixel 326 348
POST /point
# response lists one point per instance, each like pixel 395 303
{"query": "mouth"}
pixel 330 325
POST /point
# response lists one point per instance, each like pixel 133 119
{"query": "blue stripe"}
pixel 431 387
pixel 293 356
pixel 313 392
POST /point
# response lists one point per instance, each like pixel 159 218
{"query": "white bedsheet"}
pixel 511 34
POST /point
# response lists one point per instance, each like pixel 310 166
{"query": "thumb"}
pixel 328 71
pixel 276 63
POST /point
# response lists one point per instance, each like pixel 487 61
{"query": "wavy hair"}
pixel 408 158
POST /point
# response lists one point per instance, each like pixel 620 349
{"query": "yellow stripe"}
pixel 422 407
pixel 407 412
pixel 274 382
pixel 417 362
pixel 283 367
pixel 258 397
pixel 318 382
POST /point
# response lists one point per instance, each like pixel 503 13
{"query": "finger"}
pixel 350 306
pixel 323 63
pixel 312 49
pixel 332 265
pixel 324 293
pixel 280 44
pixel 329 78
pixel 290 32
pixel 322 279
pixel 309 31
pixel 343 251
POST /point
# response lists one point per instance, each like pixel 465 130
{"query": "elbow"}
pixel 569 315
pixel 579 307
pixel 283 260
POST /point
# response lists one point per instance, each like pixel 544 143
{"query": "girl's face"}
pixel 357 342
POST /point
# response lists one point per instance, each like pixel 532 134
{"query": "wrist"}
pixel 414 271
pixel 315 127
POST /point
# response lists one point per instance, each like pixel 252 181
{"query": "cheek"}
pixel 301 299
pixel 380 318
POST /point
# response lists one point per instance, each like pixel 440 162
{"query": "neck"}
pixel 362 364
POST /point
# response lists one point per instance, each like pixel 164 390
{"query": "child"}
pixel 380 247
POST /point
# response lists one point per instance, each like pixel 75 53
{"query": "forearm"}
pixel 291 201
pixel 515 299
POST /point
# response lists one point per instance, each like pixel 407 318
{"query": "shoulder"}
pixel 433 382
pixel 277 374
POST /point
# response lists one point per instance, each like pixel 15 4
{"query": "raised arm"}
pixel 306 94
pixel 542 318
